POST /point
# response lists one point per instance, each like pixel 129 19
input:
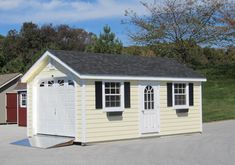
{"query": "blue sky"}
pixel 91 15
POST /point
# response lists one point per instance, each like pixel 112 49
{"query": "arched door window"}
pixel 148 98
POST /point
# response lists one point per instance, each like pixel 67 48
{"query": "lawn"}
pixel 218 100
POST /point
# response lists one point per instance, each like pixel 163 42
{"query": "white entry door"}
pixel 56 107
pixel 149 107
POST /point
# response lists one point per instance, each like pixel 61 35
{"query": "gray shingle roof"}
pixel 21 86
pixel 124 65
pixel 4 78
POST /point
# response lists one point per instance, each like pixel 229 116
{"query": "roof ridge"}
pixel 123 55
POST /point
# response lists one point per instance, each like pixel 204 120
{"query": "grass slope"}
pixel 218 100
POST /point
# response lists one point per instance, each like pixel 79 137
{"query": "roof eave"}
pixel 108 77
pixel 103 77
pixel 17 76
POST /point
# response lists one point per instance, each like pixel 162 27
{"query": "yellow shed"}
pixel 102 97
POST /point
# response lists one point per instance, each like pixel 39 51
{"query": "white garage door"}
pixel 56 107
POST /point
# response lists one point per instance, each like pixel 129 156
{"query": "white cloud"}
pixel 61 11
pixel 8 5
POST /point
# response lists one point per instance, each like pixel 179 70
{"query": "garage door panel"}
pixel 56 109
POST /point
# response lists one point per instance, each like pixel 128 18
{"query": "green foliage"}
pixel 218 100
pixel 14 66
pixel 138 50
pixel 18 50
pixel 106 43
pixel 216 72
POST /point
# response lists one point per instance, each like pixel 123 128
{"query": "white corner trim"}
pixel 83 110
pixel 76 111
pixel 201 127
pixel 140 100
pixel 34 108
pixel 11 80
pixel 29 125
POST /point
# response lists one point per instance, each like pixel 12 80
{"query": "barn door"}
pixel 22 109
pixel 11 107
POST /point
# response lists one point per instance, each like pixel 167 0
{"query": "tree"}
pixel 18 50
pixel 228 17
pixel 1 55
pixel 10 46
pixel 184 23
pixel 30 40
pixel 106 43
pixel 72 39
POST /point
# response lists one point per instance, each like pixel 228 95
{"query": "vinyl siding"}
pixel 171 123
pixel 99 127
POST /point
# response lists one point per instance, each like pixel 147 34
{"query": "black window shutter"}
pixel 127 95
pixel 190 94
pixel 169 94
pixel 98 94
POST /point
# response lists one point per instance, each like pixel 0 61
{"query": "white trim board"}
pixel 83 110
pixel 142 78
pixel 201 120
pixel 105 77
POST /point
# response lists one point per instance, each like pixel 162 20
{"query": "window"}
pixel 50 83
pixel 42 84
pixel 70 82
pixel 112 94
pixel 23 99
pixel 61 82
pixel 180 94
pixel 148 98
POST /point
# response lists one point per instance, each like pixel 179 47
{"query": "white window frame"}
pixel 21 99
pixel 113 109
pixel 187 95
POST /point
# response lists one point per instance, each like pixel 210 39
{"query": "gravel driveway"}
pixel 215 146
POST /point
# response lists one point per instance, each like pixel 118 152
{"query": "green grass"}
pixel 218 100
